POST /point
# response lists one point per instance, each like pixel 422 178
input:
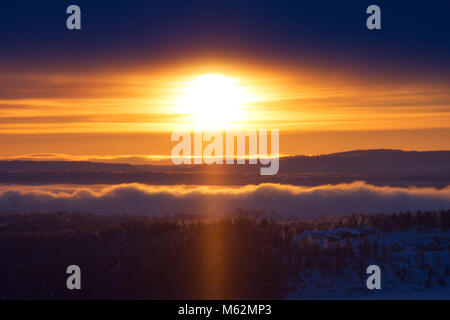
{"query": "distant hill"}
pixel 371 161
pixel 378 167
pixel 21 166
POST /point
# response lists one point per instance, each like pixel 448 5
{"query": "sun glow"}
pixel 214 101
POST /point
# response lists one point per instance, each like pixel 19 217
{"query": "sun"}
pixel 213 101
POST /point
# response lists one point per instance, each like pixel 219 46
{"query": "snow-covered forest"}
pixel 125 257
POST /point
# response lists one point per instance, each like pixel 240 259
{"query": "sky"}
pixel 138 70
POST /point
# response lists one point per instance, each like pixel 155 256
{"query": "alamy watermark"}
pixel 373 22
pixel 190 150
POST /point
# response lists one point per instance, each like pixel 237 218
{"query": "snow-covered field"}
pixel 414 264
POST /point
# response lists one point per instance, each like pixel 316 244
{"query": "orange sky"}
pixel 132 112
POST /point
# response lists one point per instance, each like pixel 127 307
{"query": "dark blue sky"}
pixel 415 35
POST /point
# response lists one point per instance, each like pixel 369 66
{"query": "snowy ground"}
pixel 415 265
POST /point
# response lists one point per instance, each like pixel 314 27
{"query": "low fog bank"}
pixel 286 200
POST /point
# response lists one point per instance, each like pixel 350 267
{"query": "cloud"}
pixel 288 200
pixel 125 159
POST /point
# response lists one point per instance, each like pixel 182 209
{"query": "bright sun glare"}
pixel 213 101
